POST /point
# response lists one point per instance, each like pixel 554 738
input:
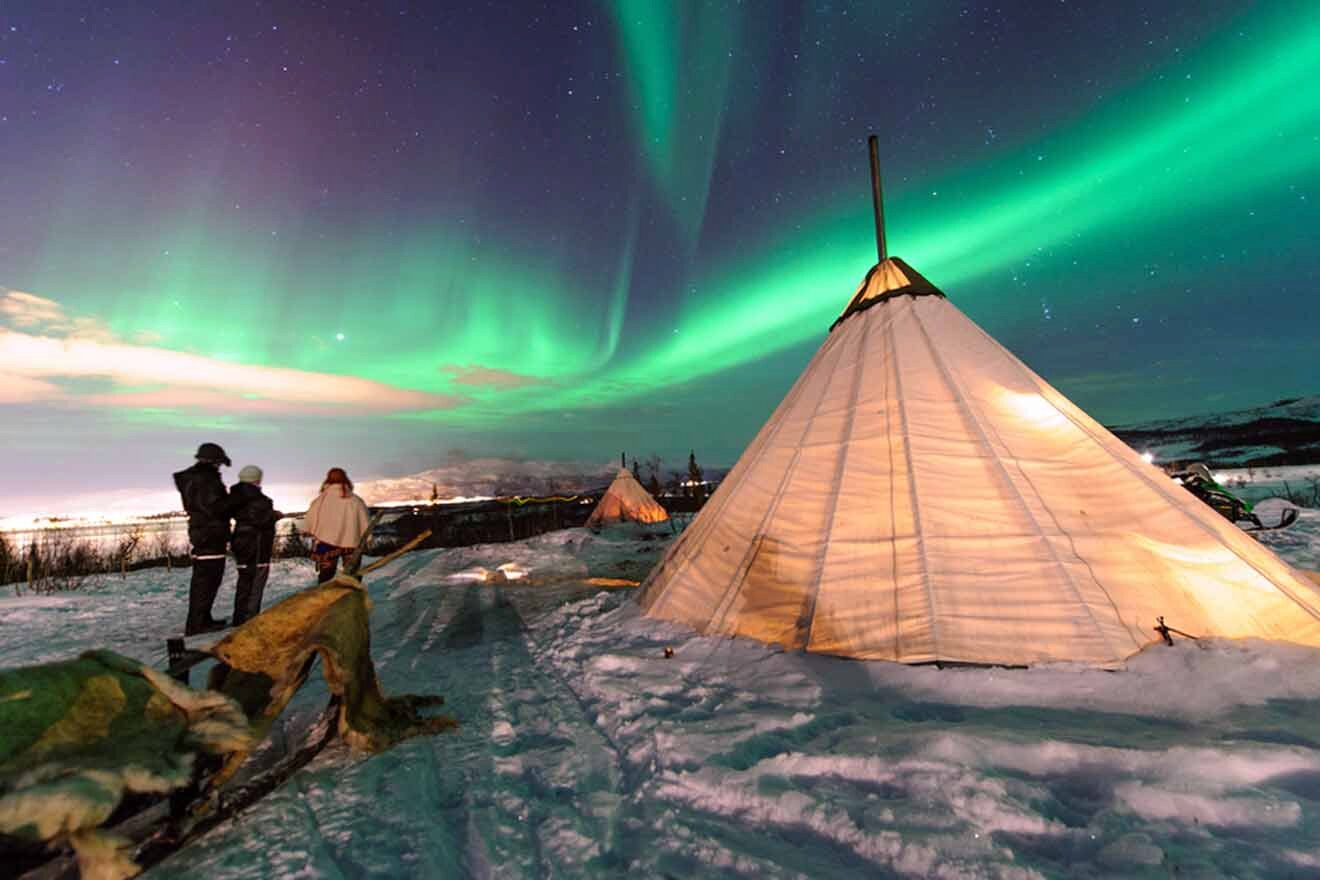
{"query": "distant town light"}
pixel 1148 457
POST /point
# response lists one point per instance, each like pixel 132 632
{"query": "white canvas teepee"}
pixel 626 499
pixel 921 495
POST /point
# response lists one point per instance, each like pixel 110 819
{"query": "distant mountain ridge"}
pixel 489 477
pixel 1286 432
pixel 493 477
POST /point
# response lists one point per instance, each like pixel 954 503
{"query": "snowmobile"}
pixel 1198 480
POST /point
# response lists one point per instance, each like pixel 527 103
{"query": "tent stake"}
pixel 877 197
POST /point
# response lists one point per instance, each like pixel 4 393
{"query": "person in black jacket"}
pixel 208 507
pixel 254 540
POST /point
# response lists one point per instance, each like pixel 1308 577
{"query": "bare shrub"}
pixel 165 547
pixel 56 562
pixel 127 547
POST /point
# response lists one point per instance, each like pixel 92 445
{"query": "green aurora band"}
pixel 1214 134
pixel 679 60
pixel 424 304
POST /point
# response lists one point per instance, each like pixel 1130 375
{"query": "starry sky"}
pixel 383 234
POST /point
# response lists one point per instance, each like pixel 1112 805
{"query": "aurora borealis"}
pixel 366 234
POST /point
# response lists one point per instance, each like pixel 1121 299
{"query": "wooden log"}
pixel 417 539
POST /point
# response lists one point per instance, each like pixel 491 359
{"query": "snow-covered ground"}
pixel 583 751
pixel 1254 484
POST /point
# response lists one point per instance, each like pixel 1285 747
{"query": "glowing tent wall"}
pixel 921 495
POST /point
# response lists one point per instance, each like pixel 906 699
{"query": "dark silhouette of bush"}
pixel 292 544
pixel 10 563
pixel 696 487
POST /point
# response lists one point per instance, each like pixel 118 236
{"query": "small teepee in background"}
pixel 921 495
pixel 626 499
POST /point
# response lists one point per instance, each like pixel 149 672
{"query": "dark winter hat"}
pixel 211 452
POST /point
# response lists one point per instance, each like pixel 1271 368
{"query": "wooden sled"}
pixel 156 826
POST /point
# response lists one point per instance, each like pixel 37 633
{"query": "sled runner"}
pixel 1274 513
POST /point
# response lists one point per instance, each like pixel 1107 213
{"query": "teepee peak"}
pixel 887 279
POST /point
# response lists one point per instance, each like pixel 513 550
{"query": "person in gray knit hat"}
pixel 253 541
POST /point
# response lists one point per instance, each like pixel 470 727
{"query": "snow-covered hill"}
pixel 1286 432
pixel 584 752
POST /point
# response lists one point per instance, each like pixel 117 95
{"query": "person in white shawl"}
pixel 337 519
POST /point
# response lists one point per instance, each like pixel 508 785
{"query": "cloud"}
pixel 21 389
pixel 201 399
pixel 27 310
pixel 61 347
pixel 487 377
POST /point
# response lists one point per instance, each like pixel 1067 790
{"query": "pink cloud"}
pixel 27 310
pixel 204 399
pixel 487 377
pixel 22 389
pixel 45 344
pixel 227 385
